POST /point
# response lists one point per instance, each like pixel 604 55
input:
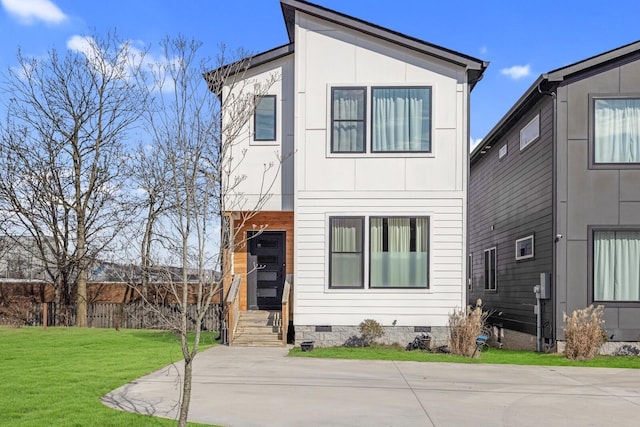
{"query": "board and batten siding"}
pixel 262 171
pixel 511 198
pixel 391 184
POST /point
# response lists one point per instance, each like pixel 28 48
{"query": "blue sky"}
pixel 521 39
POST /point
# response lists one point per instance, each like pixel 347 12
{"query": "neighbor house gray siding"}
pixel 588 196
pixel 511 198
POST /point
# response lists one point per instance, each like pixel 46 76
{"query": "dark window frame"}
pixel 362 251
pixel 487 282
pixel 257 100
pixel 412 238
pixel 364 119
pixel 591 229
pixel 593 97
pixel 430 150
pixel 470 272
pixel 533 248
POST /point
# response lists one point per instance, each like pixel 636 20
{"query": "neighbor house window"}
pixel 530 132
pixel 616 130
pixel 503 151
pixel 264 119
pixel 348 107
pixel 616 265
pixel 524 248
pixel 399 256
pixel 490 268
pixel 470 272
pixel 346 257
pixel 401 119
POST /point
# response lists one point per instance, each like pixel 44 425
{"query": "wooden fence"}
pixel 133 315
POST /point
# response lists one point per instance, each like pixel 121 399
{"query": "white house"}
pixel 367 212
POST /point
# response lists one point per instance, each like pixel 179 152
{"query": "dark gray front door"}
pixel 267 265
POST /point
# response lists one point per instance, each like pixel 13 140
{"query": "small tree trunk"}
pixel 186 392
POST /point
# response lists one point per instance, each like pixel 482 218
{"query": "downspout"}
pixel 543 303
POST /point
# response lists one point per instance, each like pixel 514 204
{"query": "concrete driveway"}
pixel 235 386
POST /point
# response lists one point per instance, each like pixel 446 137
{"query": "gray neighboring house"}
pixel 555 188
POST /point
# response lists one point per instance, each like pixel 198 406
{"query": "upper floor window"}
pixel 530 132
pixel 616 130
pixel 264 118
pixel 401 119
pixel 616 265
pixel 348 106
pixel 399 252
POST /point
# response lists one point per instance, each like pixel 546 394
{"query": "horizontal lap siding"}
pixel 514 196
pixel 317 304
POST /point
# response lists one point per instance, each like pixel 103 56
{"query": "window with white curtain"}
pixel 401 119
pixel 346 257
pixel 348 106
pixel 616 130
pixel 616 265
pixel 399 256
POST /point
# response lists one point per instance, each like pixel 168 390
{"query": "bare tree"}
pixel 61 155
pixel 185 182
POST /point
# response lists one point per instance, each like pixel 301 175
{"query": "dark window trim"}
pixel 470 272
pixel 533 247
pixel 275 118
pixel 534 140
pixel 487 284
pixel 430 150
pixel 592 130
pixel 385 248
pixel 364 119
pixel 361 218
pixel 591 229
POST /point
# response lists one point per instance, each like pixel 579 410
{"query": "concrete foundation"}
pixel 331 336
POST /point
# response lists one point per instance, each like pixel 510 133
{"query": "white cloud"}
pixel 30 11
pixel 483 50
pixel 474 143
pixel 517 71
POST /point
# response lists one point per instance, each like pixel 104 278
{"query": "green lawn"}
pixel 491 355
pixel 56 377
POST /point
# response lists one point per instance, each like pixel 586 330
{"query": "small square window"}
pixel 524 248
pixel 264 118
pixel 530 132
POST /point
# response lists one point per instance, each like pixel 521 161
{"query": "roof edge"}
pixel 289 7
pixel 248 63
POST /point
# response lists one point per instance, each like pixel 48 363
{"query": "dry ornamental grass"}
pixel 584 332
pixel 464 327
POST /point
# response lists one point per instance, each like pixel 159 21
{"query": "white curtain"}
pixel 616 260
pixel 348 125
pixel 346 252
pixel 399 266
pixel 617 131
pixel 401 119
